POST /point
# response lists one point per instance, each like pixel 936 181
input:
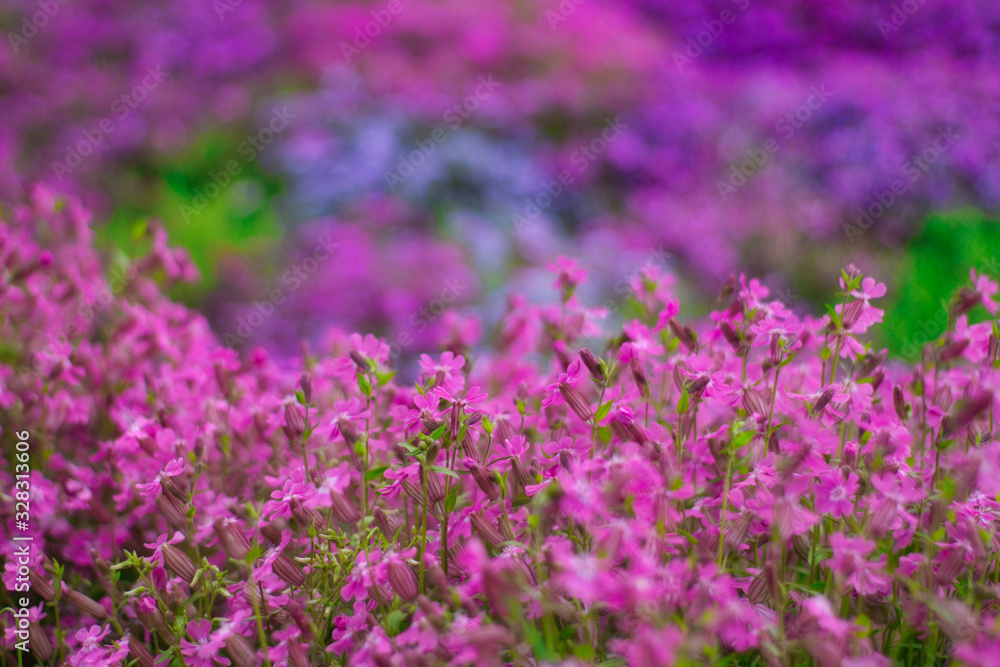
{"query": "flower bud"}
pixel 42 585
pixel 992 351
pixel 297 656
pixel 388 526
pixel 592 364
pixel 486 531
pixel 241 652
pixel 173 510
pixel 234 541
pixel 851 314
pixel 696 388
pixel 178 562
pixel 39 642
pixel 435 487
pixel 359 361
pixel 899 403
pixel 403 580
pixel 823 399
pixel 470 449
pixel 343 508
pixel 732 337
pixel 295 419
pixel 753 402
pixel 953 350
pixel 484 479
pixel 575 400
pixel 83 603
pixel 99 511
pixel 307 387
pixel 271 532
pixel 870 362
pixel 288 570
pixel 877 379
pixel 520 474
pixel 305 516
pixel 151 618
pixel 969 411
pixel 684 334
pixel 966 300
pixel 140 652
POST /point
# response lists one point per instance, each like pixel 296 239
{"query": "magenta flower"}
pixel 205 650
pixel 835 495
pixel 987 287
pixel 850 562
pixel 161 543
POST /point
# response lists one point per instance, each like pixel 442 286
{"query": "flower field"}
pixel 427 332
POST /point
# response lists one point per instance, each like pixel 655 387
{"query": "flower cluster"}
pixel 757 485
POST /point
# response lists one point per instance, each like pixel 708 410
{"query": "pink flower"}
pixel 987 287
pixel 835 495
pixel 205 650
pixel 160 544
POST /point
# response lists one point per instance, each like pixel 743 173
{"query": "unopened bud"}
pixel 403 580
pixel 732 337
pixel 484 480
pixel 234 541
pixel 39 642
pixel 153 620
pixel 575 400
pixel 851 314
pixel 305 516
pixel 83 603
pixel 271 533
pixel 684 334
pixel 343 508
pixel 295 418
pixel 967 300
pixel 290 573
pixel 953 350
pixel 307 387
pixel 638 375
pixel 172 509
pixel 823 399
pixel 178 562
pixel 753 402
pixel 592 364
pixel 241 652
pixel 359 361
pixel 486 531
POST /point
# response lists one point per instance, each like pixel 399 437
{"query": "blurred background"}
pixel 376 166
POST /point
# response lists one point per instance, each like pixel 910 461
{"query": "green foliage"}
pixel 239 219
pixel 937 260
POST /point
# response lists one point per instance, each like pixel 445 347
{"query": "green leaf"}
pixel 603 411
pixel 487 426
pixel 834 316
pixel 439 431
pixel 826 353
pixel 385 377
pixel 445 471
pixel 583 651
pixel 364 385
pixel 684 403
pixel 300 396
pixel 451 500
pixel 375 473
pixel 742 439
pixel 394 619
